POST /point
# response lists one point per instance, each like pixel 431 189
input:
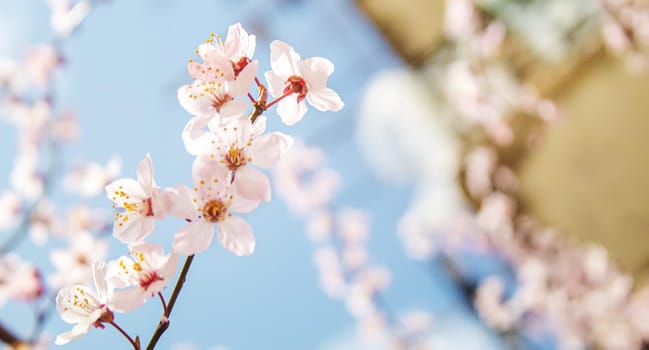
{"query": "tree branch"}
pixel 164 320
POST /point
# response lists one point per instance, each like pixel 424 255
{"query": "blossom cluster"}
pixel 230 145
pixel 346 270
pixel 573 292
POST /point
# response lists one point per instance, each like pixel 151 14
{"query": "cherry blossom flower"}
pixel 44 221
pixel 85 308
pixel 40 63
pixel 149 271
pixel 142 202
pixel 73 264
pixel 66 17
pixel 227 72
pixel 90 179
pixel 212 202
pixel 294 79
pixel 300 181
pixel 19 279
pixel 10 209
pixel 238 144
pixel 25 178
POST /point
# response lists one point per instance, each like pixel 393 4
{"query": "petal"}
pixel 99 278
pixel 291 111
pixel 325 100
pixel 128 300
pixel 169 269
pixel 116 273
pixel 241 85
pixel 63 298
pixel 276 83
pixel 238 43
pixel 183 206
pixel 235 235
pixel 252 184
pixel 125 190
pixel 259 126
pixel 145 174
pixel 239 204
pixel 136 228
pixel 316 71
pixel 196 139
pixel 194 100
pixel 232 110
pixel 266 150
pixel 193 238
pixel 161 203
pixel 283 59
pixel 210 178
pixel 76 332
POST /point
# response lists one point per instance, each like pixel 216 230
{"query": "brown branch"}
pixel 8 337
pixel 164 320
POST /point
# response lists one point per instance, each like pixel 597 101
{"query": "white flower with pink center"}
pixel 142 202
pixel 19 279
pixel 294 80
pixel 212 201
pixel 227 72
pixel 238 144
pixel 73 264
pixel 149 270
pixel 85 308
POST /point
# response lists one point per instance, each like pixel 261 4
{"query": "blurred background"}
pixel 497 148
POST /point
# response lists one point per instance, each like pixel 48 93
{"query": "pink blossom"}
pixel 10 209
pixel 301 182
pixel 147 273
pixel 142 202
pixel 226 73
pixel 89 179
pixel 40 63
pixel 212 201
pixel 85 308
pixel 19 279
pixel 66 17
pixel 238 144
pixel 297 79
pixel 73 264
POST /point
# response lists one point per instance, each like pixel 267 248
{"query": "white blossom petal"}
pixel 193 238
pixel 283 59
pixel 291 111
pixel 266 150
pixel 252 184
pixel 316 71
pixel 235 234
pixel 325 99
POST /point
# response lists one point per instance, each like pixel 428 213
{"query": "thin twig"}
pixel 136 346
pixel 164 320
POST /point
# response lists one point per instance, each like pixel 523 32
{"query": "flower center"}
pixel 234 158
pixel 219 100
pixel 148 279
pixel 296 85
pixel 215 210
pixel 240 65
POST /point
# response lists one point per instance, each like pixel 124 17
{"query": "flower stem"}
pixel 164 305
pixel 164 320
pixel 136 346
pixel 286 94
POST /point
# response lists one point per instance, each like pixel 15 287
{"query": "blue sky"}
pixel 124 67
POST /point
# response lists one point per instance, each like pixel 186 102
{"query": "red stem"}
pixel 286 94
pixel 164 304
